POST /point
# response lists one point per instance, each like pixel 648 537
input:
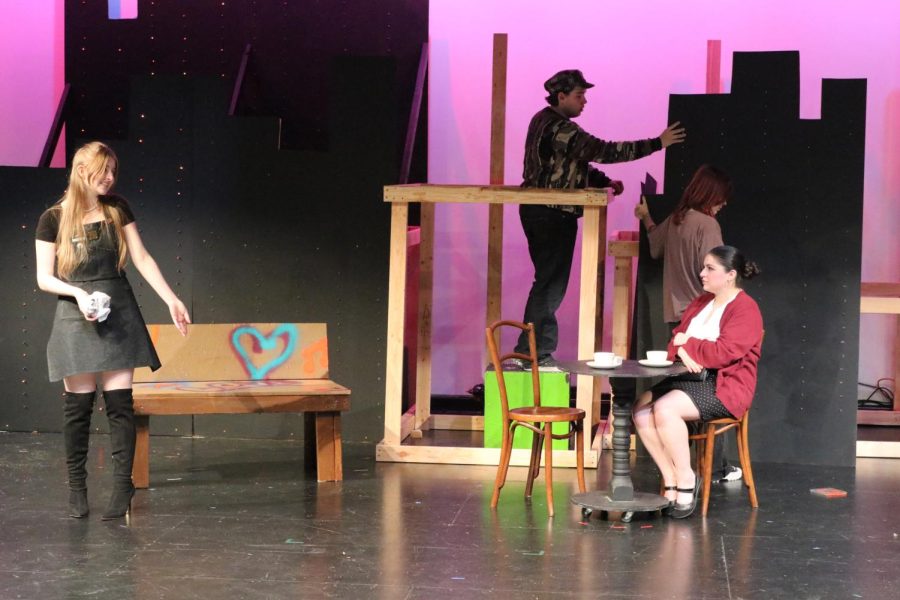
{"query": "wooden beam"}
pixel 713 66
pixel 492 194
pixel 239 80
pixel 422 392
pixel 878 449
pixel 457 455
pixel 878 417
pixel 621 313
pixel 600 276
pixel 55 129
pixel 140 470
pixel 413 125
pixel 408 424
pixel 879 305
pixel 622 249
pixel 329 461
pixel 457 422
pixel 588 390
pixel 237 405
pixel 882 289
pixel 498 110
pixel 393 380
pixel 495 211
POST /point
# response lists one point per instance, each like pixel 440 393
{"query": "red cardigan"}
pixel 735 354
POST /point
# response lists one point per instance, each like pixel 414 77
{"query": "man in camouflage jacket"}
pixel 558 154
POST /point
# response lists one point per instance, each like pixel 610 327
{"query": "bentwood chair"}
pixel 536 418
pixel 705 441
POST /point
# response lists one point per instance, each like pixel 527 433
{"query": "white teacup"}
pixel 606 359
pixel 657 356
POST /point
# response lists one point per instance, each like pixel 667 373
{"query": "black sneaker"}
pixel 546 361
pixel 732 473
pixel 525 365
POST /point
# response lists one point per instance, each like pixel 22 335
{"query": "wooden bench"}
pixel 243 369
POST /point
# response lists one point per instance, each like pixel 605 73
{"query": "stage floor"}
pixel 228 518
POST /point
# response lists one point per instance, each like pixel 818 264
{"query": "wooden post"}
pixel 600 278
pixel 393 380
pixel 713 66
pixel 594 229
pixel 495 211
pixel 624 253
pixel 426 292
pixel 414 111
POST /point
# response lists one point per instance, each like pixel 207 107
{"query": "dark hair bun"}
pixel 750 270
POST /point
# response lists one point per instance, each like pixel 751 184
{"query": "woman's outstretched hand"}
pixel 180 315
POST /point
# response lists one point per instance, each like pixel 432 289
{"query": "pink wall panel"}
pixel 32 73
pixel 637 52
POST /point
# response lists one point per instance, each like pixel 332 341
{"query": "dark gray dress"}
pixel 121 341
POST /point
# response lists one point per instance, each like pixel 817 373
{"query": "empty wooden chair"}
pixel 536 418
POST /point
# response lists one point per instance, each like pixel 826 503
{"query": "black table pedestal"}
pixel 620 497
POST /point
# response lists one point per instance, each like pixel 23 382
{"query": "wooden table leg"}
pixel 140 470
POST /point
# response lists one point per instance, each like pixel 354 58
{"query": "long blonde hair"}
pixel 94 157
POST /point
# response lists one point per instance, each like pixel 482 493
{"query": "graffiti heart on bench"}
pixel 261 353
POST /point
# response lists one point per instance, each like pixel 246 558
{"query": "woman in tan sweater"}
pixel 685 236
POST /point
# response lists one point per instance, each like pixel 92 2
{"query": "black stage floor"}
pixel 241 519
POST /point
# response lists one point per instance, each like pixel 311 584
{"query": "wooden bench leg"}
pixel 140 470
pixel 323 444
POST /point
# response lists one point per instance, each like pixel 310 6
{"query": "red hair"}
pixel 709 187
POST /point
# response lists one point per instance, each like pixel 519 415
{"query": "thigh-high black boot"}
pixel 76 433
pixel 120 412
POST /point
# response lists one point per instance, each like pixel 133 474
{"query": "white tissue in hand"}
pixel 99 305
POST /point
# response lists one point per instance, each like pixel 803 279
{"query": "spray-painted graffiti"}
pixel 285 335
pixel 315 352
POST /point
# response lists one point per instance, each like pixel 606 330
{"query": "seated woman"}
pixel 721 332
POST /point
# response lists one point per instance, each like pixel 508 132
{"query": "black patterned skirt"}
pixel 701 393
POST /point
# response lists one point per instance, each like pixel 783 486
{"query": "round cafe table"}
pixel 621 497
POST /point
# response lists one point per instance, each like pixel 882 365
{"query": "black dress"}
pixel 121 341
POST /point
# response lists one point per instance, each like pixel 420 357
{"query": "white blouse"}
pixel 705 325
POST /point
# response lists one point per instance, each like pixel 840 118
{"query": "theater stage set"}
pixel 355 165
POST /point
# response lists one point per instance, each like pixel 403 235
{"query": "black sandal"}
pixel 683 511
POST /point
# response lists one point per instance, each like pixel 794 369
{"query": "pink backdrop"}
pixel 32 72
pixel 638 52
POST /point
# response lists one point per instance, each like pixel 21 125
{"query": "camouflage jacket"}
pixel 558 153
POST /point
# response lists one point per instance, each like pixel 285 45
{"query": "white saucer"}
pixel 594 365
pixel 651 363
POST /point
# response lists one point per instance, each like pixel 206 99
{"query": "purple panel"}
pixel 123 9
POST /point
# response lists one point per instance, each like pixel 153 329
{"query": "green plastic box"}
pixel 554 392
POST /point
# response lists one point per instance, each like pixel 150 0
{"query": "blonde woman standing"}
pixel 82 246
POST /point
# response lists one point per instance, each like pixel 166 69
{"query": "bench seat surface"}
pixel 224 397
